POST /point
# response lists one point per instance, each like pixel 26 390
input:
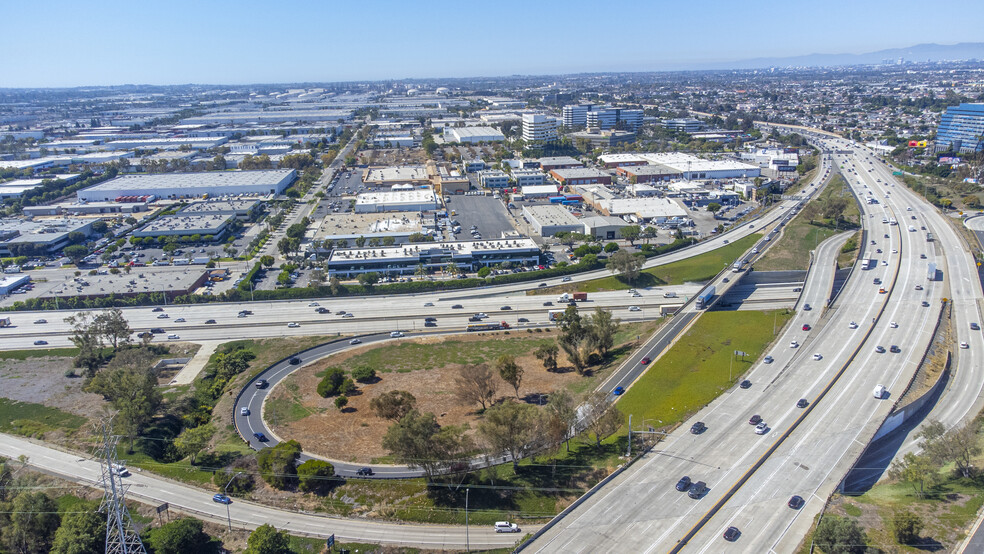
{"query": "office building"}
pixel 539 128
pixel 610 118
pixel 581 176
pixel 548 220
pixel 576 115
pixel 405 259
pixel 961 129
pixel 493 178
pixel 527 177
pixel 412 200
pixel 685 125
pixel 472 135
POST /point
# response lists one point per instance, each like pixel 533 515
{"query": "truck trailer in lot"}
pixel 704 298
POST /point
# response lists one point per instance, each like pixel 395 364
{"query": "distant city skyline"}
pixel 66 44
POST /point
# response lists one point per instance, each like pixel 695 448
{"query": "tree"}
pixel 906 526
pixel 283 246
pixel 602 327
pixel 75 253
pixel 33 522
pixel 278 465
pixel 86 337
pixel 649 233
pixel 418 441
pixel 484 272
pixel 182 536
pixel 562 415
pixel 509 371
pixel 713 207
pixel 611 247
pixel 626 264
pixel 915 469
pixel 192 441
pixel 959 445
pixel 393 404
pixel 334 285
pixel 114 327
pixel 368 279
pixel 82 531
pixel 364 374
pixel 511 427
pixel 630 233
pixel 603 417
pixel 265 539
pixel 341 402
pixel 131 388
pixel 837 535
pixel 315 476
pixel 476 384
pixel 266 260
pixel 547 353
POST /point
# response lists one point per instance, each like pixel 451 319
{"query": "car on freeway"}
pixel 817 356
pixel 731 534
pixel 618 391
pixel 261 383
pixel 919 287
pixel 802 403
pixel 807 307
pixel 795 502
pixel 428 304
pixel 698 428
pixel 457 307
pixel 322 310
pixel 158 309
pixel 922 256
pixel 548 303
pixel 173 336
pixel 880 349
pixel 925 304
pixel 768 359
pixel 974 326
pixel 522 320
pixel 260 436
pixel 542 285
pixel 963 344
pixel 355 341
pixel 806 326
pixel 697 490
pixel 349 314
pixel 894 349
pixel 295 360
pixel 313 305
pixel 505 527
pixel 364 471
pixel 794 344
pixel 635 309
pixel 504 308
pixel 566 279
pixel 396 334
pixel 221 498
pixel 762 428
pixel 210 322
pixel 41 321
pixel 645 360
pixel 293 324
pixel 341 312
pixel 755 420
pixel 852 325
pixel 893 325
pixel 683 484
pixel 244 411
pixel 40 342
pixel 163 316
pixel 745 384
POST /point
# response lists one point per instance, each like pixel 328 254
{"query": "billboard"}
pixel 949 160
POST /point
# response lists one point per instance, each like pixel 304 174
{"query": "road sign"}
pixel 331 541
pixel 162 508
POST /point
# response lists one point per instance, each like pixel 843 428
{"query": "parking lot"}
pixel 488 214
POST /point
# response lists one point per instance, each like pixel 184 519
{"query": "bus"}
pixel 490 326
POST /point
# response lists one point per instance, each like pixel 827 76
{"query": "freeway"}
pixel 804 451
pixel 248 515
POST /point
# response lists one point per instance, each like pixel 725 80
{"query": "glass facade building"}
pixel 961 129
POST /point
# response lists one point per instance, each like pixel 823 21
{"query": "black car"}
pixel 895 349
pixel 158 309
pixel 430 319
pixel 457 307
pixel 474 318
pixel 731 534
pixel 698 428
pixel 323 310
pixel 745 384
pixel 295 360
pixel 210 322
pixel 260 437
pixel 796 502
pixel 683 484
pixel 802 403
pixel 158 331
pixel 697 490
pixel 364 471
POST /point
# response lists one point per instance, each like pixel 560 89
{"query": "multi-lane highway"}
pixel 806 450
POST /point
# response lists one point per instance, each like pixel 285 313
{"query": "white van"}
pixel 669 295
pixel 879 392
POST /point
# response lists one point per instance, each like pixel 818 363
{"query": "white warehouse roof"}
pixel 176 185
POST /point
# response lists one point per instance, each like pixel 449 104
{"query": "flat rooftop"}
pixel 166 182
pixel 221 206
pixel 397 174
pixel 580 173
pixel 140 279
pixel 551 215
pixel 369 224
pixel 413 251
pixel 189 223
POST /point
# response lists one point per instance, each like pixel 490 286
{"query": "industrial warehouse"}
pixel 190 185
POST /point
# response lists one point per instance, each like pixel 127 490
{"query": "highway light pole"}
pixel 224 491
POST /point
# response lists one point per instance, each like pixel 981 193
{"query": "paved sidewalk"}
pixel 195 366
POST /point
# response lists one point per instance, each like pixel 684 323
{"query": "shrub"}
pixel 332 382
pixel 315 475
pixel 364 374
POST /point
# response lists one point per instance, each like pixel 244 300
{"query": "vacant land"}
pixel 699 366
pixel 809 228
pixel 426 368
pixel 692 270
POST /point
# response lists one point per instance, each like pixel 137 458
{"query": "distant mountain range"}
pixel 917 53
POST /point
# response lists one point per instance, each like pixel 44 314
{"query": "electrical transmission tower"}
pixel 120 536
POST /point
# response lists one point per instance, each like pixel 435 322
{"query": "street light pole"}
pixel 224 491
pixel 467 540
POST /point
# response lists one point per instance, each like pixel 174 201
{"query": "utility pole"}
pixel 120 535
pixel 467 540
pixel 225 491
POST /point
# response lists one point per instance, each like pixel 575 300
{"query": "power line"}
pixel 120 535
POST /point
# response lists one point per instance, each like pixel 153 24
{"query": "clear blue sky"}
pixel 103 42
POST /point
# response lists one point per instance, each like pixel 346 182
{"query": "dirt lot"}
pixel 43 381
pixel 354 435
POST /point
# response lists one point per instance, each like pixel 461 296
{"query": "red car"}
pixel 645 361
pixel 806 326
